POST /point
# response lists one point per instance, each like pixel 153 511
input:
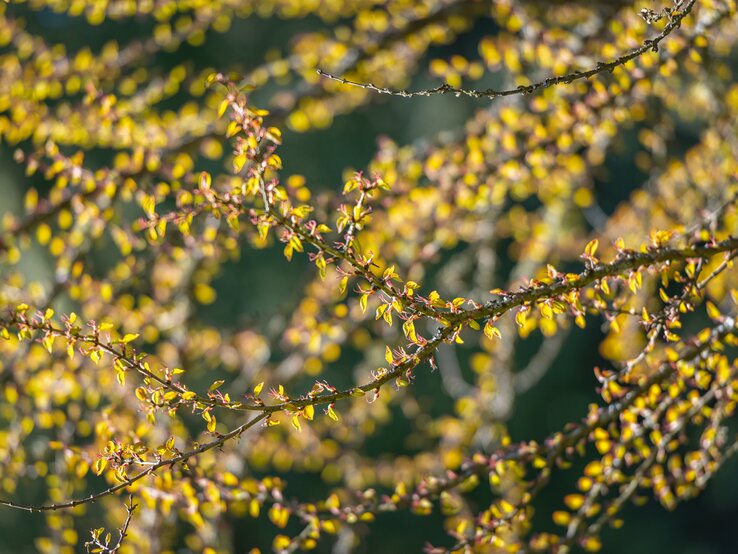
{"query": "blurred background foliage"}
pixel 259 288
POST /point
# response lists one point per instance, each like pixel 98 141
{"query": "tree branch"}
pixel 675 20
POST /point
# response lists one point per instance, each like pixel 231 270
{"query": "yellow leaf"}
pixel 492 332
pixel 409 329
pixel 350 185
pixel 222 107
pixel 281 543
pixel 380 311
pixel 232 129
pixel 321 265
pixel 296 422
pixel 712 311
pixel 591 248
pixel 257 388
pixel 561 517
pixel 546 311
pixel 574 501
pixel 279 515
pixel 254 508
pixel 276 134
pixel 238 163
pixel 100 465
pixel 592 544
pixel 48 342
pixel 520 318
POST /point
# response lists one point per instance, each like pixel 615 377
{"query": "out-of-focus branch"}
pixel 540 363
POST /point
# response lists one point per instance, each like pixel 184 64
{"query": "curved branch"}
pixel 625 262
pixel 648 45
pixel 426 351
pixel 237 432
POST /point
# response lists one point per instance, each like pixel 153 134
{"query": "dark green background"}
pixel 702 526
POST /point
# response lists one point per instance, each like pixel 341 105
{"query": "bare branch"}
pixel 651 45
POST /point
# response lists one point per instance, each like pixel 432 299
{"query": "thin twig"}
pixel 648 45
pixel 540 363
pixel 238 431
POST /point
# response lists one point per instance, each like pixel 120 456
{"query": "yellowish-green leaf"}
pixel 409 329
pixel 591 248
pixel 492 332
pixel 712 311
pixel 296 422
pixel 100 465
